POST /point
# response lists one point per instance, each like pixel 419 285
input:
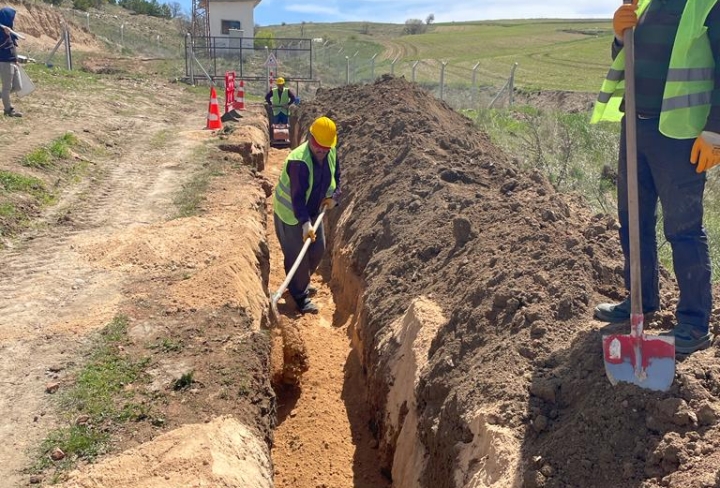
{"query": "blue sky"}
pixel 273 12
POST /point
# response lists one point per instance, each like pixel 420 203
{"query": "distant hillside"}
pixel 551 54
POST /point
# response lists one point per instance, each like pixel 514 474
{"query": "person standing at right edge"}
pixel 8 59
pixel 677 79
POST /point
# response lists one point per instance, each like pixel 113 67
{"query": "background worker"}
pixel 8 59
pixel 280 99
pixel 677 73
pixel 310 180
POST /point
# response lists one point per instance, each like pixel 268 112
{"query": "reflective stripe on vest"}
pixel 280 101
pixel 689 83
pixel 282 199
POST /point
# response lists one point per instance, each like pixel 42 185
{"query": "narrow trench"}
pixel 323 437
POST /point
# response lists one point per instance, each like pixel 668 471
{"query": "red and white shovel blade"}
pixel 646 361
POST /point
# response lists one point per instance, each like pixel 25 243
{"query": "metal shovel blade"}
pixel 645 361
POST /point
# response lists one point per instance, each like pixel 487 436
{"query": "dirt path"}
pixel 51 294
pixel 323 437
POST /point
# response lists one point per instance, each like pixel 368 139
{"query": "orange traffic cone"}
pixel 213 117
pixel 240 96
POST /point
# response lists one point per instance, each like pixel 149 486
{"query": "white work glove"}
pixel 706 151
pixel 308 231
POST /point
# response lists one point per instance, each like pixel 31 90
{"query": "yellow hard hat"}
pixel 324 132
pixel 280 80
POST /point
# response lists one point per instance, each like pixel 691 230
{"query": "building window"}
pixel 230 24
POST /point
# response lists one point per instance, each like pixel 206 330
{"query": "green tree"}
pixel 265 38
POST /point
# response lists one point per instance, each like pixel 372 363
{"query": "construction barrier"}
pixel 240 95
pixel 229 90
pixel 213 117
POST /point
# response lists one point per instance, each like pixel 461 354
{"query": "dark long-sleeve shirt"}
pixel 8 42
pixel 654 39
pixel 300 181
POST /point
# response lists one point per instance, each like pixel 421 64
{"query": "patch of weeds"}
pixel 160 139
pixel 14 182
pixel 39 158
pixel 101 395
pixel 192 193
pixel 7 210
pixel 168 345
pixel 244 387
pixel 185 381
pixel 45 157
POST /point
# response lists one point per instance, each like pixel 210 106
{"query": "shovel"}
pixel 646 361
pixel 276 296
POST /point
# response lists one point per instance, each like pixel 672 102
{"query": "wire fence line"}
pixel 306 64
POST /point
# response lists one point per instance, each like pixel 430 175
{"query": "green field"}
pixel 551 54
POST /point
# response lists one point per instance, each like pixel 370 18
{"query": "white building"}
pixel 232 19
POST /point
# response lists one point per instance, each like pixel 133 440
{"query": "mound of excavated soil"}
pixel 431 208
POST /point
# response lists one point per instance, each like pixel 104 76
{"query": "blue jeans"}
pixel 665 173
pixel 291 242
pixel 280 118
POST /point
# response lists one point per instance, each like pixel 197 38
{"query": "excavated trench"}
pixel 455 345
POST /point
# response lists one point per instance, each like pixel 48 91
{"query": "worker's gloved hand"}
pixel 308 232
pixel 625 18
pixel 706 151
pixel 329 203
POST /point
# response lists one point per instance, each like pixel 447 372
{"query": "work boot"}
pixel 306 306
pixel 616 312
pixel 689 339
pixel 12 113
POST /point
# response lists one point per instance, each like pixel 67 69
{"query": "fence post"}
pixel 511 84
pixel 442 79
pixel 392 65
pixel 189 56
pixel 347 70
pixel 372 67
pixel 87 17
pixel 68 52
pixel 414 67
pixel 474 83
pixel 122 35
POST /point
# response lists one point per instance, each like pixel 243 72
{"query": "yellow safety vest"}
pixel 690 79
pixel 282 199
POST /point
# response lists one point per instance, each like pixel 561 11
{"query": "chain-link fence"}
pixel 306 64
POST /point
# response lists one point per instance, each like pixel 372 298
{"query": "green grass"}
pixel 45 157
pixel 16 183
pixel 99 394
pixel 552 54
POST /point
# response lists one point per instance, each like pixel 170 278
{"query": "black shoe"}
pixel 311 291
pixel 306 306
pixel 12 113
pixel 689 339
pixel 616 312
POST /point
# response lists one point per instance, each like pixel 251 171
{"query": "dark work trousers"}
pixel 291 242
pixel 665 173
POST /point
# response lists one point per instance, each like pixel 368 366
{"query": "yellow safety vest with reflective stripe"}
pixel 690 80
pixel 282 200
pixel 280 101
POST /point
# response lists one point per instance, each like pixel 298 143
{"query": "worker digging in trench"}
pixel 309 182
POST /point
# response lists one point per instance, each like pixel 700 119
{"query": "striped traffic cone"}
pixel 239 95
pixel 213 117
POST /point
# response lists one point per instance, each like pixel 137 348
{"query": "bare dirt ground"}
pixel 322 436
pixel 455 347
pixel 51 295
pixel 514 391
